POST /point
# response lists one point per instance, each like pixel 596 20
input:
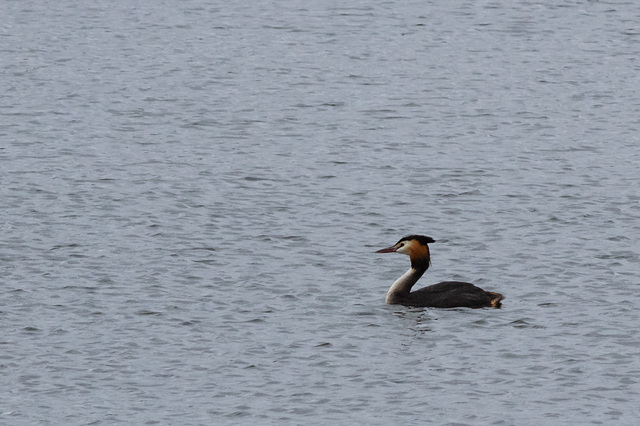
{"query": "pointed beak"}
pixel 391 249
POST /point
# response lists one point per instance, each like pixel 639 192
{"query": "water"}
pixel 192 193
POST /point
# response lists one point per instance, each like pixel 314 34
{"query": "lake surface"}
pixel 192 193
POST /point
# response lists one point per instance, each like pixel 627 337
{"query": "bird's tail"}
pixel 496 299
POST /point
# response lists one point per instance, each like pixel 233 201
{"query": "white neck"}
pixel 402 286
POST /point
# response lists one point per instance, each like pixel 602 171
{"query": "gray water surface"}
pixel 192 193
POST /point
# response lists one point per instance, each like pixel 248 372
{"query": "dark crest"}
pixel 422 239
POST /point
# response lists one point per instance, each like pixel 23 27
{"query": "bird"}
pixel 447 294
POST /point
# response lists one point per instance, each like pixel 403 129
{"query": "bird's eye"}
pixel 401 245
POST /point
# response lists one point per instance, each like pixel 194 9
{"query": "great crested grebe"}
pixel 447 294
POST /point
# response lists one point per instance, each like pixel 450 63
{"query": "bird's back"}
pixel 451 294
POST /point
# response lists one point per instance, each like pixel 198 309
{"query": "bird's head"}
pixel 415 246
